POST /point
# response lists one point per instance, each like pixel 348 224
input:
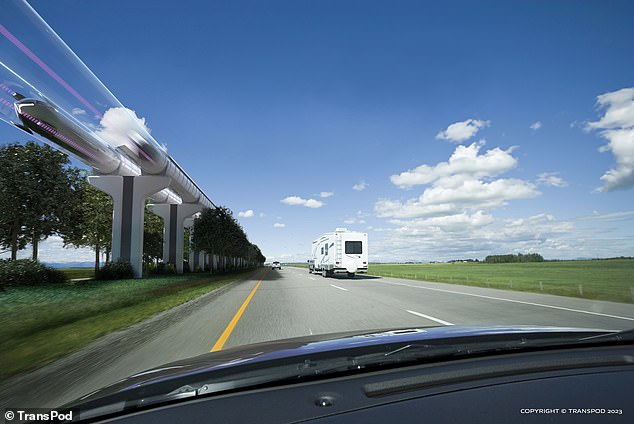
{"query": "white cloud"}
pixel 351 221
pixel 460 191
pixel 462 131
pixel 246 214
pixel 536 125
pixel 118 125
pixel 360 186
pixel 471 194
pixel 609 217
pixel 476 193
pixel 279 225
pixel 617 125
pixel 298 201
pixel 464 162
pixel 262 214
pixel 551 179
pixel 78 111
pixel 325 194
pixel 412 208
pixel 475 236
pixel 620 109
pixel 449 223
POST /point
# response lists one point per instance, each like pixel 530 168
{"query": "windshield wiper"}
pixel 423 352
pixel 618 336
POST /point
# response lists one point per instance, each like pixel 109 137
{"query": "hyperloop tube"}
pixel 155 161
pixel 58 85
pixel 40 117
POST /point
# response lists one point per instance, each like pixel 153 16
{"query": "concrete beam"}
pixel 128 199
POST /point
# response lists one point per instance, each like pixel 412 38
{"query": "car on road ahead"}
pixel 277 265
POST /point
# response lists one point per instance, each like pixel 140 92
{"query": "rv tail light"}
pixel 364 262
pixel 337 263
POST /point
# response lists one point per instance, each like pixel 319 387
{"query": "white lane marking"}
pixel 337 287
pixel 430 318
pixel 515 301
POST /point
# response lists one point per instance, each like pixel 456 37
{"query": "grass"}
pixel 72 273
pixel 592 279
pixel 44 323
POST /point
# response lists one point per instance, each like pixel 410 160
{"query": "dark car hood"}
pixel 302 346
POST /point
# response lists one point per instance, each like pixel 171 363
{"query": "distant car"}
pixel 277 265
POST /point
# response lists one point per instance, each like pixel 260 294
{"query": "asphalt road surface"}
pixel 275 304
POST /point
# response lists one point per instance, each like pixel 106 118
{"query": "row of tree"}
pixel 505 259
pixel 42 195
pixel 218 233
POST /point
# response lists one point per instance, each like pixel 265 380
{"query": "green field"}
pixel 611 279
pixel 73 273
pixel 43 323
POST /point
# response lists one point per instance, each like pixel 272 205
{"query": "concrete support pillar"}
pixel 201 260
pixel 128 200
pixel 173 223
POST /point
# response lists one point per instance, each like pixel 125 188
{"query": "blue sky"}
pixel 467 128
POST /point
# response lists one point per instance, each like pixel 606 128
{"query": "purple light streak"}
pixel 6 103
pixel 7 89
pixel 47 69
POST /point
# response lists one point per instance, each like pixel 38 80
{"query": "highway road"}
pixel 274 304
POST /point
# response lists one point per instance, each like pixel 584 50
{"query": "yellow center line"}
pixel 225 334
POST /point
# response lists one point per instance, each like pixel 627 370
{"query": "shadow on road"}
pixel 269 275
pixel 356 277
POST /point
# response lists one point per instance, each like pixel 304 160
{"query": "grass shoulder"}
pixel 44 323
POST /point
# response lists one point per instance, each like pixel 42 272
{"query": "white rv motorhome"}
pixel 339 252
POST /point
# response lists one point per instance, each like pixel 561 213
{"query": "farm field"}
pixel 611 279
pixel 73 273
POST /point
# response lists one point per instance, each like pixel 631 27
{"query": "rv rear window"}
pixel 354 247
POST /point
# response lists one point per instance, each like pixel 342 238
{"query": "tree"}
pixel 510 258
pixel 152 236
pixel 91 221
pixel 37 193
pixel 187 248
pixel 14 210
pixel 216 231
pixel 210 231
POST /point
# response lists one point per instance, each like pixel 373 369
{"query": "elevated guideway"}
pixel 47 91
